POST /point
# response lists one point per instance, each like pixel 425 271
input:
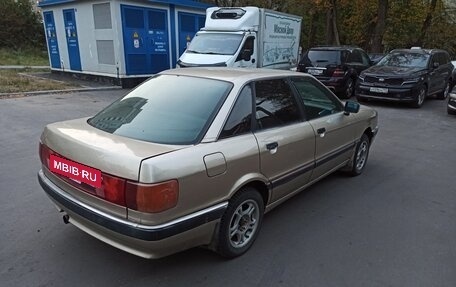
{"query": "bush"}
pixel 21 26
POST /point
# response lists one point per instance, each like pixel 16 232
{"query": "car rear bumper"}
pixel 148 241
pixel 337 85
pixel 394 94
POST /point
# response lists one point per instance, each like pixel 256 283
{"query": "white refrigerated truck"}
pixel 248 37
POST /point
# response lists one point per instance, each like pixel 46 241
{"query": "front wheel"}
pixel 241 223
pixel 419 100
pixel 360 156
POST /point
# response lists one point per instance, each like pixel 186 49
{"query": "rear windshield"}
pixel 324 56
pixel 166 109
pixel 401 59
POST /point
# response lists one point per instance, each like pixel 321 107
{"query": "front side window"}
pixel 275 104
pixel 166 109
pixel 240 119
pixel 317 101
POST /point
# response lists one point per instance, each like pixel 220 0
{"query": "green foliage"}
pixel 20 25
pixel 24 57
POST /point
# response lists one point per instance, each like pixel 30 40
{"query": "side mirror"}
pixel 351 107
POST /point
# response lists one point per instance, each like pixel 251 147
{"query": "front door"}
pixel 51 37
pixel 334 131
pixel 72 39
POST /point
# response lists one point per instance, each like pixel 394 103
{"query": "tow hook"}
pixel 66 219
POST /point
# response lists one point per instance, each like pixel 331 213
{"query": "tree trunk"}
pixel 427 23
pixel 312 29
pixel 332 33
pixel 380 25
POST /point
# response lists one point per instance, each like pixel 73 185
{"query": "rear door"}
pixel 334 131
pixel 435 74
pixel 286 142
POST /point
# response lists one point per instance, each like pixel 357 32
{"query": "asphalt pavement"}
pixel 395 225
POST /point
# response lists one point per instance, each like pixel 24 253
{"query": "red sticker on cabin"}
pixel 75 171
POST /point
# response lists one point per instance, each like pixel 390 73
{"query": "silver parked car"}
pixel 196 156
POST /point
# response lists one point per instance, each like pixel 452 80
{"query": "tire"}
pixel 360 156
pixel 420 97
pixel 349 89
pixel 444 94
pixel 240 225
pixel 451 112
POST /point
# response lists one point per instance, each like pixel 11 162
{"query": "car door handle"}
pixel 321 132
pixel 271 146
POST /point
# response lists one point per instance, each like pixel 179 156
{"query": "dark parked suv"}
pixel 336 67
pixel 407 75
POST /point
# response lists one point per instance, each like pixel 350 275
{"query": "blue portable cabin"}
pixel 119 38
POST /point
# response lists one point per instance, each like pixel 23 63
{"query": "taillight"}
pixel 112 189
pixel 338 73
pixel 45 152
pixel 152 198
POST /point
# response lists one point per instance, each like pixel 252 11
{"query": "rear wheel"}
pixel 444 94
pixel 349 89
pixel 419 100
pixel 241 223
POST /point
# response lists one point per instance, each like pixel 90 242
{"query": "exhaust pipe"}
pixel 66 219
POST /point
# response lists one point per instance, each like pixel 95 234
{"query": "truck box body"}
pixel 248 37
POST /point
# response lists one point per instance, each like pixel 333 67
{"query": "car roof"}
pixel 335 48
pixel 232 74
pixel 418 51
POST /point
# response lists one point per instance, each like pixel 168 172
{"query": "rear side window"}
pixel 275 104
pixel 166 109
pixel 240 119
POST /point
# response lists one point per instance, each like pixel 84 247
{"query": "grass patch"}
pixel 24 57
pixel 12 82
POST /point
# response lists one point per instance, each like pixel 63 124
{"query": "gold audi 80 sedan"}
pixel 196 156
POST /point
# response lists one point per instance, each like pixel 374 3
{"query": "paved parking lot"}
pixel 395 225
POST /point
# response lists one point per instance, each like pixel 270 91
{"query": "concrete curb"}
pixel 19 67
pixel 36 93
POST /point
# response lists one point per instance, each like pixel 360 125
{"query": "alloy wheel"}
pixel 244 223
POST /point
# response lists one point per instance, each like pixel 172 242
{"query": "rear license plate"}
pixel 75 171
pixel 315 72
pixel 379 90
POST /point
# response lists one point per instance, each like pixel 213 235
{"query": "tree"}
pixel 21 26
pixel 332 32
pixel 427 22
pixel 380 25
